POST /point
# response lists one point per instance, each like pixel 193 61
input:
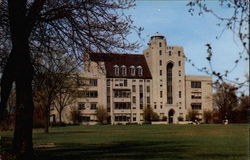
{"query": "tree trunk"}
pixel 47 114
pixel 60 117
pixel 22 142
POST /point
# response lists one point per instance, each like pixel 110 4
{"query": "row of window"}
pixel 140 88
pixel 87 94
pixel 121 93
pixel 83 106
pixel 170 53
pixel 86 119
pixel 196 106
pixel 132 70
pixel 195 84
pixel 122 118
pixel 122 105
pixel 169 75
pixel 87 82
pixel 179 63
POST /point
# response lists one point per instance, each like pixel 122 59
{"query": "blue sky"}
pixel 171 19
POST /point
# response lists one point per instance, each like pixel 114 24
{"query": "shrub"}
pixel 164 118
pixel 180 118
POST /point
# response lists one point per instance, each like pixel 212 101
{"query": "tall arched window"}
pixel 132 70
pixel 139 71
pixel 116 70
pixel 170 83
pixel 124 70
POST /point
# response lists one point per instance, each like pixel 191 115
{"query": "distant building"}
pixel 125 84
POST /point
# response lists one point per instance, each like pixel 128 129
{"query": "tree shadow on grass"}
pixel 129 150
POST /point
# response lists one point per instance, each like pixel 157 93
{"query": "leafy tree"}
pixel 75 115
pixel 101 114
pixel 29 29
pixel 225 100
pixel 192 115
pixel 149 114
pixel 208 116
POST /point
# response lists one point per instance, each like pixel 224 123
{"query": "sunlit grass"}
pixel 148 142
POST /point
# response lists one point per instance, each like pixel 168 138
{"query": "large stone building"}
pixel 124 84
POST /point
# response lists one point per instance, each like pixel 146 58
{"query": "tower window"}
pixel 169 83
pixel 179 63
pixel 160 62
pixel 160 44
pixel 179 73
pixel 160 72
pixel 160 52
pixel 170 53
pixel 179 53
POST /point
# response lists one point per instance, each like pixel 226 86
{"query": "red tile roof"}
pixel 112 59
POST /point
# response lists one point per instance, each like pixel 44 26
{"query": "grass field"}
pixel 147 142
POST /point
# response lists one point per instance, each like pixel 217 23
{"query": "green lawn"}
pixel 147 142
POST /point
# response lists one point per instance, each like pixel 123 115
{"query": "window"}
pixel 134 99
pixel 179 73
pixel 125 83
pixel 93 105
pixel 179 94
pixel 87 94
pixel 155 106
pixel 160 72
pixel 196 95
pixel 134 118
pixel 160 44
pixel 160 94
pixel 132 70
pixel 195 84
pixel 148 88
pixel 121 93
pixel 179 62
pixel 108 82
pixel 116 70
pixel 122 105
pixel 148 99
pixel 169 83
pixel 139 71
pixel 122 118
pixel 81 106
pixel 196 106
pixel 141 106
pixel 160 52
pixel 179 53
pixel 124 70
pixel 141 88
pixel 160 62
pixel 161 106
pixel 133 88
pixel 170 53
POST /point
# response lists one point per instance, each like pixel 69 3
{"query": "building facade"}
pixel 124 84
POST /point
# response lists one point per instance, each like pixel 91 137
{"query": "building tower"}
pixel 166 63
